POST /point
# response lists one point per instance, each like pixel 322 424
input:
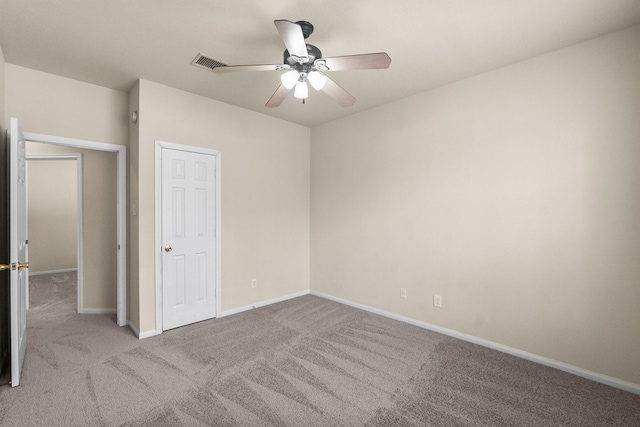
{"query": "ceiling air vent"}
pixel 203 61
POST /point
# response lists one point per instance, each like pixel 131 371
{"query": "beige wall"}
pixel 53 215
pixel 513 195
pixel 53 105
pixel 265 194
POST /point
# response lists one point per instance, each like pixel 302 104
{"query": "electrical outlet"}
pixel 437 301
pixel 403 293
pixel 254 283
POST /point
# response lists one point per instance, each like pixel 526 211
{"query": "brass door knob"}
pixel 4 267
pixel 168 248
pixel 22 265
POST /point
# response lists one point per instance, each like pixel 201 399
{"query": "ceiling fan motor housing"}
pixel 312 52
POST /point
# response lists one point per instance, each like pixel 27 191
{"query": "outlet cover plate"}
pixel 437 301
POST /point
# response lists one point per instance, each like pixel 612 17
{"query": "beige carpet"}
pixel 303 362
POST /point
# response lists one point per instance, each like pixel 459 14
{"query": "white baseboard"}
pixel 225 313
pixel 40 273
pixel 137 333
pixel 147 334
pixel 98 311
pixel 604 379
pixel 262 303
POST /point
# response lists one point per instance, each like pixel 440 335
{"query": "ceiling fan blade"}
pixel 367 61
pixel 341 96
pixel 293 38
pixel 269 67
pixel 278 96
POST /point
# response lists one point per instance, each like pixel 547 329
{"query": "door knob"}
pixel 168 248
pixel 16 266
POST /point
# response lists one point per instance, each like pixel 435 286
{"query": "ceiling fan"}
pixel 304 63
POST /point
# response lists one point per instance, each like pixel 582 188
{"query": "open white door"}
pixel 18 249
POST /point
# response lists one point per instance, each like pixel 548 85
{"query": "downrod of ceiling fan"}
pixel 307 28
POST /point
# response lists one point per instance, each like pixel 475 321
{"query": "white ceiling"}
pixel 112 43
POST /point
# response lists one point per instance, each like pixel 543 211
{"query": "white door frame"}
pixel 158 222
pixel 79 265
pixel 121 152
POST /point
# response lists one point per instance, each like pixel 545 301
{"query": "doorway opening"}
pixel 120 197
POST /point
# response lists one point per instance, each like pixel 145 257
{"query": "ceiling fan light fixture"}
pixel 302 90
pixel 289 79
pixel 303 63
pixel 317 80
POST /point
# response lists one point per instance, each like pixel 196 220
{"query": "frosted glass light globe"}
pixel 317 80
pixel 302 91
pixel 289 79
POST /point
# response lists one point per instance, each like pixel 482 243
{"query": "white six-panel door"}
pixel 188 248
pixel 18 241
